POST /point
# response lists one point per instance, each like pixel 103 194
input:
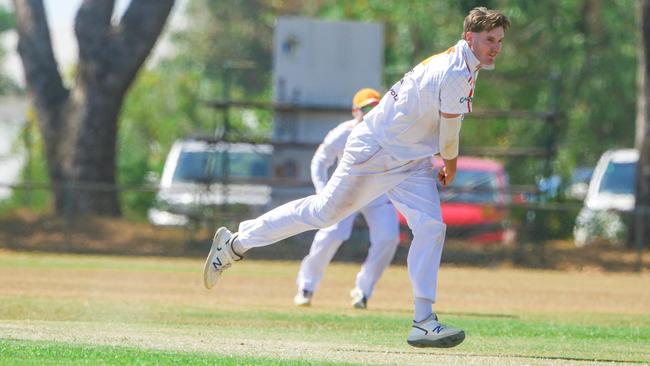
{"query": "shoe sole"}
pixel 207 267
pixel 446 342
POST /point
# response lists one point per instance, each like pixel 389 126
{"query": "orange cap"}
pixel 364 97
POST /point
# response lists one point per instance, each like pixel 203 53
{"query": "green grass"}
pixel 25 353
pixel 532 337
pixel 619 338
pixel 40 261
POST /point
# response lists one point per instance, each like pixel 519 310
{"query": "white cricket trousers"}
pixel 365 172
pixel 383 229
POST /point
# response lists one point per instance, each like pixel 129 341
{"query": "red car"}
pixel 475 205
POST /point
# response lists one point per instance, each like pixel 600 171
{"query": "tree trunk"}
pixel 90 156
pixel 642 230
pixel 79 124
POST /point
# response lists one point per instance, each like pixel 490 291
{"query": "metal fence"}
pixel 525 233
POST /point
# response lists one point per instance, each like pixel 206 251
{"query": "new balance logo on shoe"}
pixel 219 260
pixel 431 333
pixel 216 263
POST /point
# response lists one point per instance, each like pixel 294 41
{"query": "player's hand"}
pixel 445 177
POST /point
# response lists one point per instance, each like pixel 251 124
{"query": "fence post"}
pixel 68 188
pixel 27 201
pixel 640 212
pixel 531 228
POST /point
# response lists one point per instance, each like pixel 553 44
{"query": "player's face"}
pixel 358 113
pixel 486 45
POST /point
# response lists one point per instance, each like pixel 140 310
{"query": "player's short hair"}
pixel 482 19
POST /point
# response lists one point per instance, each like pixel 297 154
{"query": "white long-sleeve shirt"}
pixel 329 152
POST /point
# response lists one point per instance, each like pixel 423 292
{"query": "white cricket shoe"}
pixel 303 298
pixel 431 333
pixel 359 300
pixel 220 258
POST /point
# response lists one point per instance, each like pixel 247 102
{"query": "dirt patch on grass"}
pixel 271 285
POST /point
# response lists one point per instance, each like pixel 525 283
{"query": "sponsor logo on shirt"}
pixel 465 99
pixel 393 94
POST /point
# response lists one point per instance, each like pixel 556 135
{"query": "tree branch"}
pixel 129 43
pixel 35 49
pixel 92 26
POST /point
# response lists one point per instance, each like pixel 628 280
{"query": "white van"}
pixel 200 173
pixel 610 199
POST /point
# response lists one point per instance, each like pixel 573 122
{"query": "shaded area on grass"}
pixel 26 231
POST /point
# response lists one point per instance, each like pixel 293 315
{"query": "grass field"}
pixel 97 310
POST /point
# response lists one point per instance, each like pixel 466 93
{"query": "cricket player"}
pixel 380 216
pixel 389 153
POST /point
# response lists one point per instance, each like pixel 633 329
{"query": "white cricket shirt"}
pixel 406 121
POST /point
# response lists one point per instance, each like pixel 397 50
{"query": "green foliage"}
pixel 574 58
pixel 411 33
pixel 537 225
pixel 564 56
pixel 159 107
pixel 7 22
pixel 228 39
pixel 38 197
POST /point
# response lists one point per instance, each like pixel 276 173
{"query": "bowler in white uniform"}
pixel 390 153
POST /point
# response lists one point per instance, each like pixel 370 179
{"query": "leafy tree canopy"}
pixel 575 58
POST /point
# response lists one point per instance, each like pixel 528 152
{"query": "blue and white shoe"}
pixel 220 258
pixel 431 333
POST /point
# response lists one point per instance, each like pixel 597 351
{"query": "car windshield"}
pixel 619 178
pixel 472 186
pixel 207 166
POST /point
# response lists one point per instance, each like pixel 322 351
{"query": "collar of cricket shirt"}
pixel 472 62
